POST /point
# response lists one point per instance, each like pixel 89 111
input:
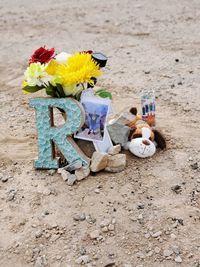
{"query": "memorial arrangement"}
pixel 69 81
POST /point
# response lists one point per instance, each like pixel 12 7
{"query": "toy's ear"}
pixel 159 139
pixel 133 111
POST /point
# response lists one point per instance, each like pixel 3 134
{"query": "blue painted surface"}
pixel 48 133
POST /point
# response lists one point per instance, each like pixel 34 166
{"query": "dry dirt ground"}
pixel 150 44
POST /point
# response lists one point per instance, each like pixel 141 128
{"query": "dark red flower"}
pixel 42 55
pixel 86 52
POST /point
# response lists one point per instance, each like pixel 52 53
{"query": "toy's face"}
pixel 142 147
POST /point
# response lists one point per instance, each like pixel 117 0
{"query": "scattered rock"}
pixel 97 190
pixel 38 234
pixel 11 194
pixel 178 259
pixel 157 234
pixel 98 161
pixel 104 223
pixel 83 259
pixel 119 133
pixel 167 252
pixel 114 150
pixel 82 173
pixel 51 172
pixel 104 229
pixel 176 188
pixel 111 227
pixel 77 164
pixel 194 166
pixel 41 261
pixel 116 163
pixel 94 234
pixel 65 174
pixel 4 179
pixel 71 179
pixel 80 217
pixel 90 219
pixel 157 250
pixel 173 236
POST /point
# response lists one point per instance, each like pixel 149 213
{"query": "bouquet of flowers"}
pixel 63 75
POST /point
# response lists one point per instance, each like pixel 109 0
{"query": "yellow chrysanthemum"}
pixel 52 67
pixel 80 68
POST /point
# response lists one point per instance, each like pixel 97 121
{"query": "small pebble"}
pixel 178 259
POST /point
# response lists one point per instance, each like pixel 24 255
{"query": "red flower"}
pixel 42 55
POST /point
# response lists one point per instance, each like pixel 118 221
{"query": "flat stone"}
pixel 167 252
pixel 98 161
pixel 114 150
pixel 82 173
pixel 116 163
pixel 94 234
pixel 119 133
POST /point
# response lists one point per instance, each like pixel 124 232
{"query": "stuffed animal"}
pixel 143 139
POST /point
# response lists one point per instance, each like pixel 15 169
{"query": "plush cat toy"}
pixel 143 139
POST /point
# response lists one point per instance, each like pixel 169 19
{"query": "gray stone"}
pixel 98 161
pixel 71 179
pixel 65 174
pixel 4 179
pixel 119 133
pixel 82 173
pixel 38 234
pixel 113 150
pixel 116 163
pixel 73 166
pixel 86 146
pixel 11 194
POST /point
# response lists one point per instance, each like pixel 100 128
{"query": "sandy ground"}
pixel 150 44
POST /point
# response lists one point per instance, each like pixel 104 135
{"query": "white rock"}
pixel 94 234
pixel 83 259
pixel 64 174
pixel 178 259
pixel 157 250
pixel 157 234
pixel 98 161
pixel 114 150
pixel 167 252
pixel 116 163
pixel 105 229
pixel 105 222
pixel 82 173
pixel 111 227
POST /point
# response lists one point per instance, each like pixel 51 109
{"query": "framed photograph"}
pixel 96 113
pixel 104 145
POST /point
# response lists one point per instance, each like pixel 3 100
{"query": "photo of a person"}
pixel 96 112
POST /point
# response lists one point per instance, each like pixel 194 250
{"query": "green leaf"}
pixel 32 89
pixel 103 93
pixel 60 90
pixel 50 90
